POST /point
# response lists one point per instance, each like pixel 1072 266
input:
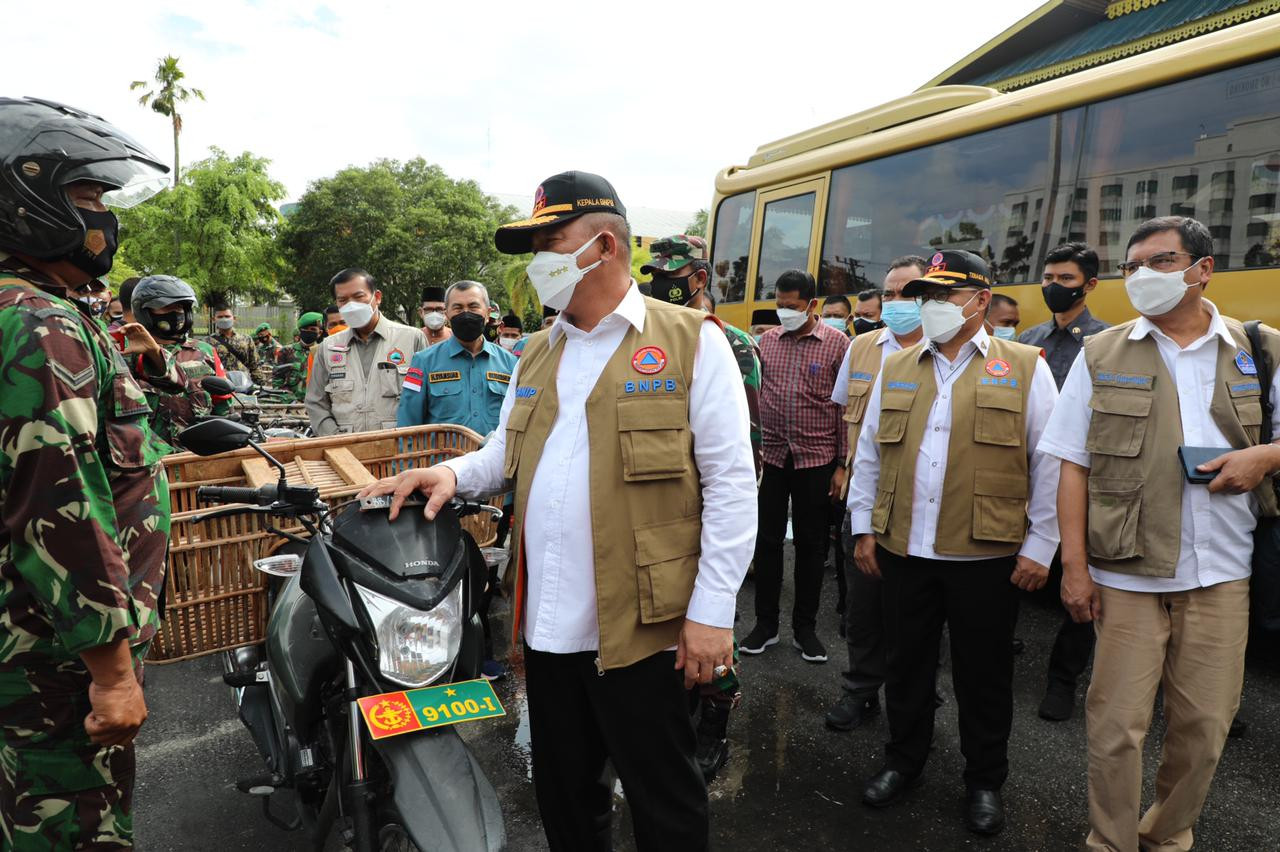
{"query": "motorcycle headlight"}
pixel 415 647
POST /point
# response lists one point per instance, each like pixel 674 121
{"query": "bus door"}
pixel 788 233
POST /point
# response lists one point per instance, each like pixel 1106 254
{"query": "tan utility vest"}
pixel 984 490
pixel 865 358
pixel 646 493
pixel 361 403
pixel 1136 478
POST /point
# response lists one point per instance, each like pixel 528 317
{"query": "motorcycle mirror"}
pixel 215 435
pixel 217 385
pixel 240 381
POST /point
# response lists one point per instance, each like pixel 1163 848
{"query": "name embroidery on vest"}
pixel 444 376
pixel 650 386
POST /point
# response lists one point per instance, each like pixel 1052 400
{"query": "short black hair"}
pixel 797 281
pixel 1001 299
pixel 126 291
pixel 350 274
pixel 1081 254
pixel 874 293
pixel 909 260
pixel 333 309
pixel 1196 239
pixel 838 300
pixel 222 306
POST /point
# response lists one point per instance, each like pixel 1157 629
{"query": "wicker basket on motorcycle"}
pixel 215 599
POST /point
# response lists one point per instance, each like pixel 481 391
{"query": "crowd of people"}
pixel 948 464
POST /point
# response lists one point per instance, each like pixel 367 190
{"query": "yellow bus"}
pixel 1188 129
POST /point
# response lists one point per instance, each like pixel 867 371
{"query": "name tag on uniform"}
pixel 524 392
pixel 444 376
pixel 907 386
pixel 494 376
pixel 1002 381
pixel 650 386
pixel 1245 388
pixel 1124 380
pixel 413 379
pixel 860 377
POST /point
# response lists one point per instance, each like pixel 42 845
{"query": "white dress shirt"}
pixel 1217 529
pixel 560 613
pixel 931 466
pixel 888 344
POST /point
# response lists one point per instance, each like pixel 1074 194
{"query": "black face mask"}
pixel 491 333
pixel 102 232
pixel 1059 298
pixel 168 326
pixel 467 326
pixel 674 290
pixel 117 317
pixel 308 336
pixel 861 325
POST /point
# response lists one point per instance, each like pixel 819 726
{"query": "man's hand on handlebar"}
pixel 438 483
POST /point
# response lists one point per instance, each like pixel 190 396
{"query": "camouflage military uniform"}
pixel 296 355
pixel 236 353
pixel 175 397
pixel 268 355
pixel 82 556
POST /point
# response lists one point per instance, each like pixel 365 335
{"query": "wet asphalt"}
pixel 790 783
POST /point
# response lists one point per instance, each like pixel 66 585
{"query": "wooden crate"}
pixel 215 598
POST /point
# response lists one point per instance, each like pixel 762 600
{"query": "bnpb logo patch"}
pixel 649 360
pixel 998 367
pixel 936 259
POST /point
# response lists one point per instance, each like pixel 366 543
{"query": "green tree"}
pixel 165 98
pixel 698 227
pixel 216 230
pixel 408 223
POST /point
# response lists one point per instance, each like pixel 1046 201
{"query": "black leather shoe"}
pixel 851 711
pixel 886 787
pixel 1059 703
pixel 1239 727
pixel 984 812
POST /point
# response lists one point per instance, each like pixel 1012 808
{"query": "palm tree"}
pixel 166 96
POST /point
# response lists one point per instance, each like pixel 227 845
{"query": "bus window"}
pixel 1208 148
pixel 732 242
pixel 984 193
pixel 785 235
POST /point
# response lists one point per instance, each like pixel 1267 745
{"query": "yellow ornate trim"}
pixel 1222 20
pixel 1124 7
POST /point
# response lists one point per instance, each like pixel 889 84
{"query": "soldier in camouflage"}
pixel 680 271
pixel 297 354
pixel 234 350
pixel 86 504
pixel 268 351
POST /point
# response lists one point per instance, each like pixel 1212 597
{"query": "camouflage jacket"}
pixel 295 381
pixel 176 397
pixel 86 500
pixel 238 353
pixel 268 355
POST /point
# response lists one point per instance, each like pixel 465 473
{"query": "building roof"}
pixel 651 222
pixel 1063 36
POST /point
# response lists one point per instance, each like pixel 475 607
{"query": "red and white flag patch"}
pixel 413 379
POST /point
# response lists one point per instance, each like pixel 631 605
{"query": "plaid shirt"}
pixel 797 415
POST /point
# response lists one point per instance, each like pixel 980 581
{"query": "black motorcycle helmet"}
pixel 160 291
pixel 43 147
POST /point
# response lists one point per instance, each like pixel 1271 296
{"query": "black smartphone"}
pixel 1192 457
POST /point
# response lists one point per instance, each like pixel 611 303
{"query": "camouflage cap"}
pixel 672 253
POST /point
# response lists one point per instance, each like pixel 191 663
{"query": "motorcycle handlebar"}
pixel 263 496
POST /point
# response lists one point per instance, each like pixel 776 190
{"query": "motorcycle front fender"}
pixel 444 799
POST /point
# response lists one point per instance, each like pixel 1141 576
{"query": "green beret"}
pixel 266 326
pixel 310 318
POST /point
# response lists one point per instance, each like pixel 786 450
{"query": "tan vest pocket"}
pixel 666 567
pixel 895 408
pixel 517 424
pixel 654 433
pixel 859 393
pixel 1115 509
pixel 883 505
pixel 1119 422
pixel 1248 406
pixel 999 506
pixel 998 416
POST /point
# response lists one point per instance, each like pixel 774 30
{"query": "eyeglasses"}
pixel 1165 261
pixel 941 296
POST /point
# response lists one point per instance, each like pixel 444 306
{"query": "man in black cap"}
pixel 434 323
pixel 762 319
pixel 548 317
pixel 625 437
pixel 952 506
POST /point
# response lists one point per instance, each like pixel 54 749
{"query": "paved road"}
pixel 790 783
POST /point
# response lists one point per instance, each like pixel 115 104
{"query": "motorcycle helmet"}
pixel 43 147
pixel 160 291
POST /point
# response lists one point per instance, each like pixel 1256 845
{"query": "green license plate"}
pixel 393 713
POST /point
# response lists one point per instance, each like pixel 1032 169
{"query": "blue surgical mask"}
pixel 1005 332
pixel 836 323
pixel 902 316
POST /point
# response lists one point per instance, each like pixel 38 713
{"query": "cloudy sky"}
pixel 656 96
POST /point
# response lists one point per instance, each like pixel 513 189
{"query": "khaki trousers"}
pixel 1193 643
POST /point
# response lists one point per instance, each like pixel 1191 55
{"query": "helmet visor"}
pixel 132 181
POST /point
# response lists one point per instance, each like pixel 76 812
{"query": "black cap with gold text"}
pixel 557 200
pixel 951 268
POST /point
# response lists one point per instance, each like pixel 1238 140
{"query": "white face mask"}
pixel 792 320
pixel 356 314
pixel 1154 294
pixel 941 320
pixel 433 320
pixel 508 343
pixel 555 275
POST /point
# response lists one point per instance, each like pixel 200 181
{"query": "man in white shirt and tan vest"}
pixel 864 611
pixel 625 436
pixel 1159 564
pixel 357 373
pixel 953 507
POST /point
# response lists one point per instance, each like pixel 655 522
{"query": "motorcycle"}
pixel 362 607
pixel 238 388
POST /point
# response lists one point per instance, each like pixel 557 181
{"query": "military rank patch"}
pixel 649 360
pixel 998 367
pixel 1245 364
pixel 444 376
pixel 413 379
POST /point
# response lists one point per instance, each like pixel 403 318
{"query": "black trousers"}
pixel 837 519
pixel 806 490
pixel 979 605
pixel 864 626
pixel 636 718
pixel 1073 645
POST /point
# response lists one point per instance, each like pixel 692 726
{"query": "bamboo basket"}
pixel 215 599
